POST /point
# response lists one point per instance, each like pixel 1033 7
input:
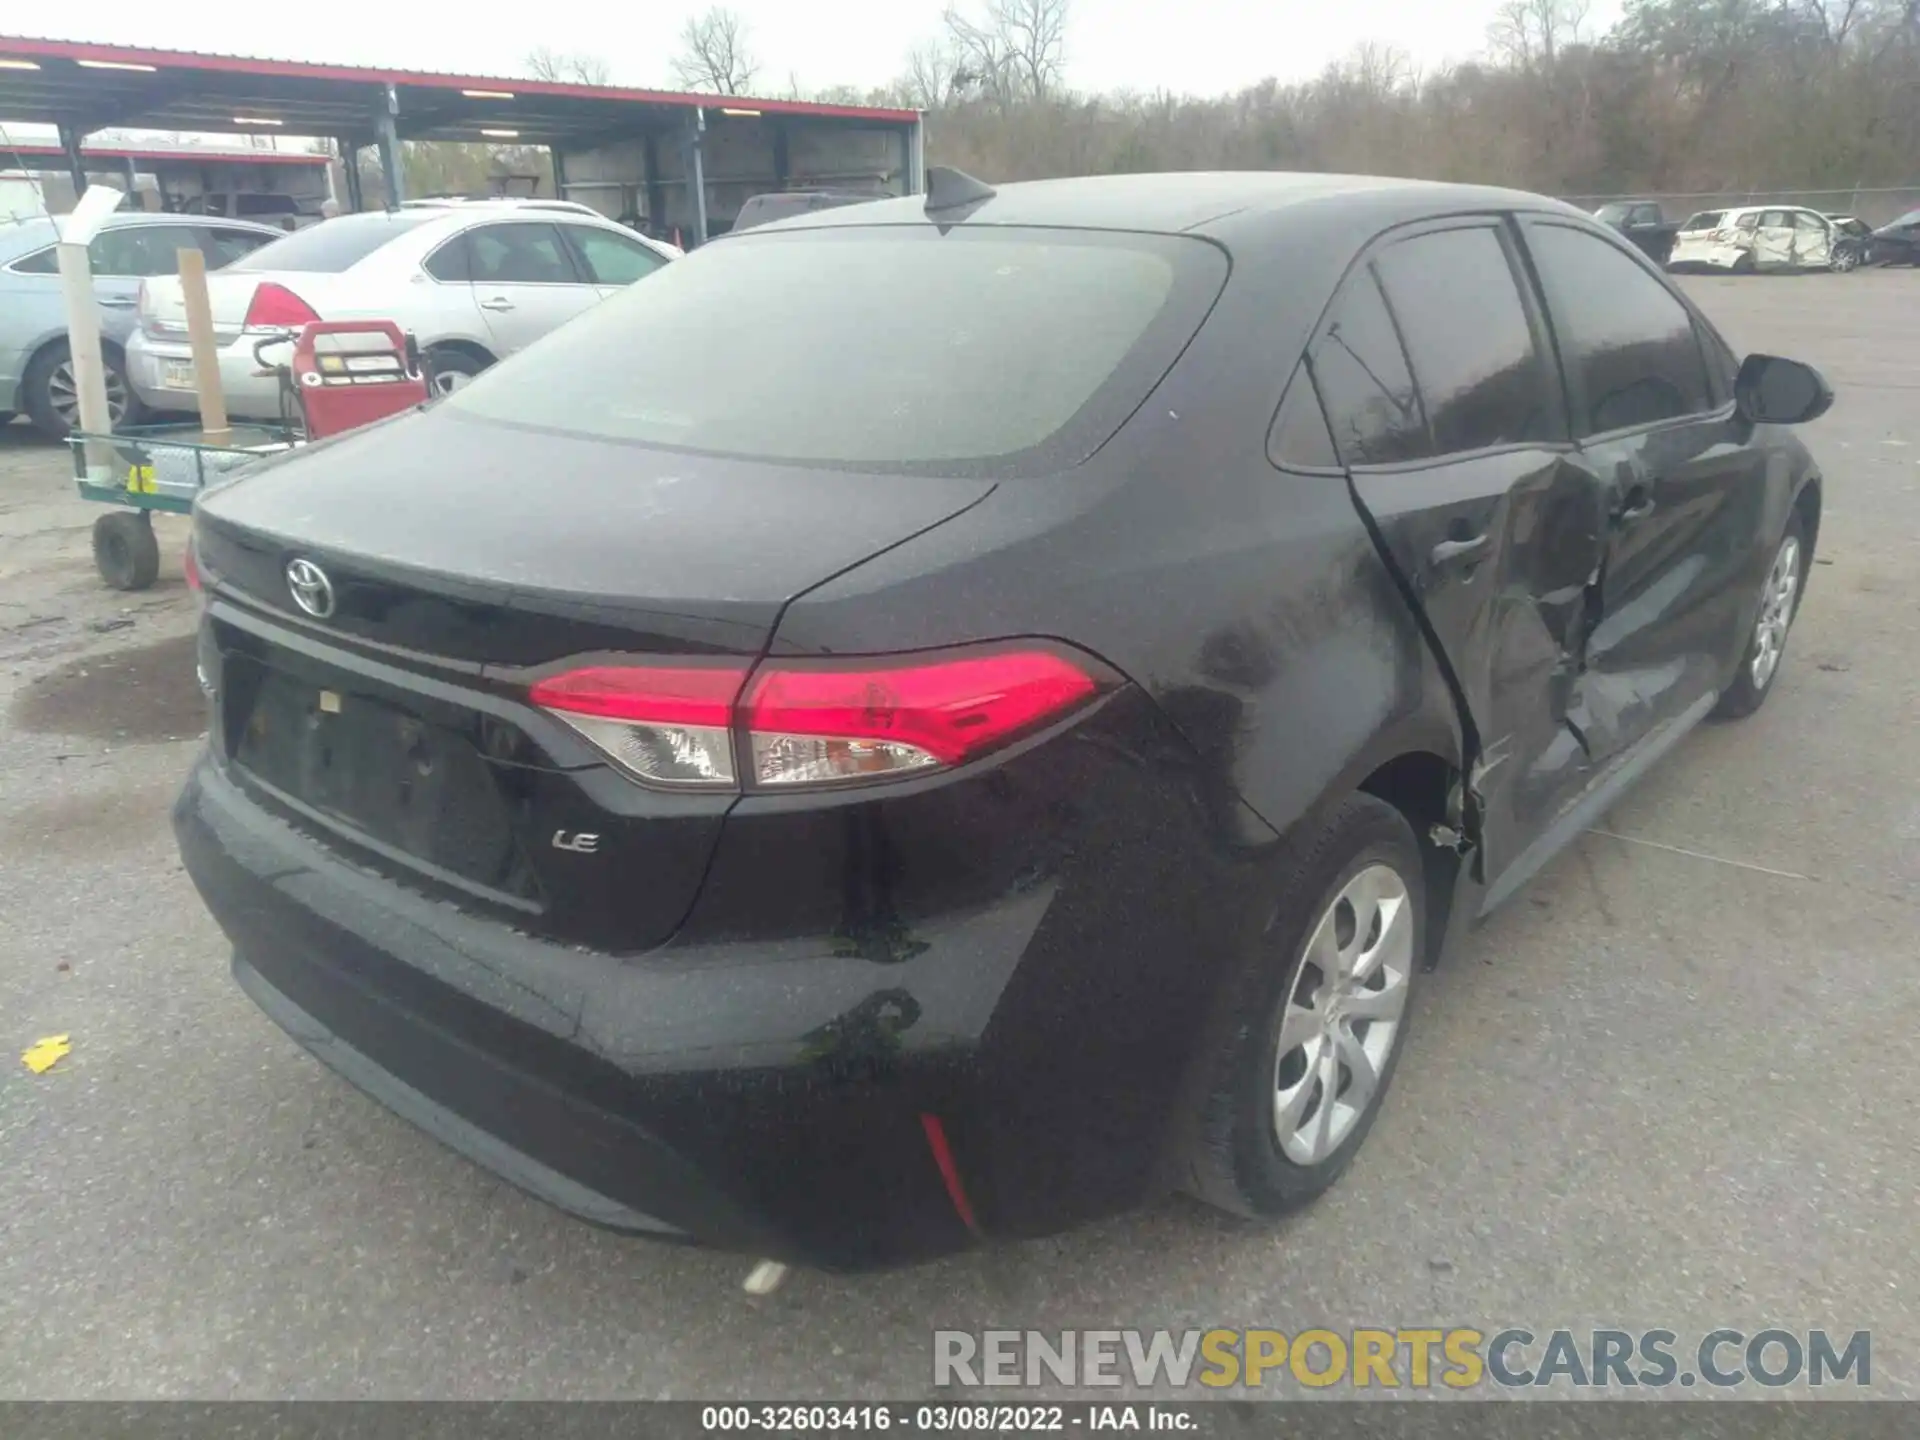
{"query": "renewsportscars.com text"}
pixel 1456 1358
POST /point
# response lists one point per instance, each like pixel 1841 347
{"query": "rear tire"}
pixel 1767 642
pixel 125 550
pixel 449 368
pixel 47 391
pixel 1325 998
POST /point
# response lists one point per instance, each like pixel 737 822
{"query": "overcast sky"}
pixel 1185 46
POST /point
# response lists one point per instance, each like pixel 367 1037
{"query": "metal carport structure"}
pixel 675 152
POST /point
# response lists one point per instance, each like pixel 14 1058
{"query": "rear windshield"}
pixel 1912 217
pixel 978 350
pixel 334 245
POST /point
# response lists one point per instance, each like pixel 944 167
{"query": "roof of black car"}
pixel 1186 201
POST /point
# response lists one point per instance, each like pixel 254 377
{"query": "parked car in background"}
pixel 781 204
pixel 36 371
pixel 472 282
pixel 1898 241
pixel 1643 222
pixel 947 720
pixel 270 207
pixel 1763 237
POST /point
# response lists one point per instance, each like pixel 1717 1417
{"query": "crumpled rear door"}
pixel 1773 241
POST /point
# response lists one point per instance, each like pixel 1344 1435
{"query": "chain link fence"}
pixel 1875 204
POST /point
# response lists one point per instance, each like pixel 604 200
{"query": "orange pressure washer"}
pixel 346 373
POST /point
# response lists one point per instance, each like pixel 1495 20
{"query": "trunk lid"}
pixel 463 555
pixel 163 306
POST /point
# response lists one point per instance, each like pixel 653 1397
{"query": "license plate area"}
pixel 373 769
pixel 176 374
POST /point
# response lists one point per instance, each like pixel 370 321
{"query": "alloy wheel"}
pixel 1343 1014
pixel 445 382
pixel 1776 612
pixel 63 392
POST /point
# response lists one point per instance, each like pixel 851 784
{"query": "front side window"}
pixel 519 255
pixel 1631 354
pixel 140 250
pixel 1460 314
pixel 225 245
pixel 1364 382
pixel 1002 350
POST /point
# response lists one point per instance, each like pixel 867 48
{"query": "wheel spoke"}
pixel 1396 936
pixel 1320 1135
pixel 1323 946
pixel 1297 1027
pixel 1385 1003
pixel 1288 1105
pixel 1352 1054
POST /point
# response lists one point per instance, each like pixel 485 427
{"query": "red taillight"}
pixel 669 725
pixel 190 564
pixel 274 307
pixel 813 723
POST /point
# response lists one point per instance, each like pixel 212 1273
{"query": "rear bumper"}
pixel 248 396
pixel 770 1094
pixel 1706 255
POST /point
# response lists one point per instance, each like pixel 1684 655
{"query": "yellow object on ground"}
pixel 40 1056
pixel 140 480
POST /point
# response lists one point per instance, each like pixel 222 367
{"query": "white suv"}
pixel 473 283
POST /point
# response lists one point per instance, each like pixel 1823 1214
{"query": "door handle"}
pixel 119 302
pixel 1636 504
pixel 498 302
pixel 1448 551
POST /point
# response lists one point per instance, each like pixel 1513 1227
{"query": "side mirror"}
pixel 1770 390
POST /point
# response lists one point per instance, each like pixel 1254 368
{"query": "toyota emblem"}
pixel 312 590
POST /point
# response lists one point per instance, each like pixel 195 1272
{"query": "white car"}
pixel 472 283
pixel 1755 237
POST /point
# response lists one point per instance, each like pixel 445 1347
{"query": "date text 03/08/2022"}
pixel 946 1417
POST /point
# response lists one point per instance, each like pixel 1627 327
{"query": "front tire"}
pixel 1321 1010
pixel 1767 642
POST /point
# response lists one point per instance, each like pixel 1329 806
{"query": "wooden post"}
pixel 206 353
pixel 83 322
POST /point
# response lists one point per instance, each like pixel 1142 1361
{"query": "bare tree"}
pixel 929 81
pixel 1530 34
pixel 714 57
pixel 1009 50
pixel 570 69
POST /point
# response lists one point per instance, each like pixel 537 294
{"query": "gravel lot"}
pixel 1674 1084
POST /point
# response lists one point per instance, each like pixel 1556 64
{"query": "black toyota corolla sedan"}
pixel 948 718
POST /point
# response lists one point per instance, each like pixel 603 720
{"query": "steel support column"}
pixel 70 139
pixel 697 178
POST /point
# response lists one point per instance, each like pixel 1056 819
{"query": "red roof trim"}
pixel 245 157
pixel 26 48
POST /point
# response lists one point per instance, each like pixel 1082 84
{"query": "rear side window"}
pixel 1300 437
pixel 992 351
pixel 1474 360
pixel 336 245
pixel 450 261
pixel 41 262
pixel 1628 344
pixel 520 255
pixel 1364 382
pixel 1748 221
